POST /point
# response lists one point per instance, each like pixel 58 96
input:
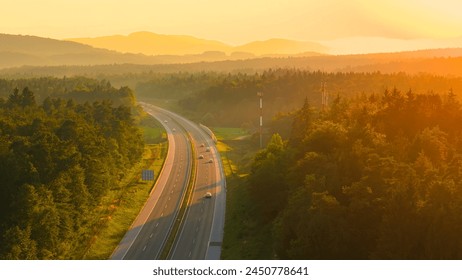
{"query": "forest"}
pixel 373 177
pixel 58 158
pixel 219 99
pixel 80 89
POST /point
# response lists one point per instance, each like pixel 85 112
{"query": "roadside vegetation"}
pixel 71 161
pixel 58 162
pixel 244 238
pixel 123 204
pixel 377 177
pixel 375 174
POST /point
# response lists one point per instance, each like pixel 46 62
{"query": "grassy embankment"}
pixel 123 203
pixel 244 237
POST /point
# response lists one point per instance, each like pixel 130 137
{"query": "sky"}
pixel 236 21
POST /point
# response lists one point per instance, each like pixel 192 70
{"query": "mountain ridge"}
pixel 150 43
pixel 23 50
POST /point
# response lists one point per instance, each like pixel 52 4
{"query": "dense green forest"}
pixel 373 177
pixel 218 99
pixel 80 89
pixel 57 160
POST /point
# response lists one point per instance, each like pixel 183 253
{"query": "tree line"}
pixel 230 99
pixel 80 89
pixel 57 160
pixel 374 177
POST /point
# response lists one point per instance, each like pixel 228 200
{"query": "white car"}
pixel 201 156
pixel 210 160
pixel 174 129
pixel 208 195
pixel 207 149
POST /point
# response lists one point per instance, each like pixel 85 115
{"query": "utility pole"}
pixel 260 94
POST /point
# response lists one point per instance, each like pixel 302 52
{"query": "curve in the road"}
pixel 201 231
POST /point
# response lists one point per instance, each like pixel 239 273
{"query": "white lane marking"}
pixel 156 225
pixel 169 198
pixel 165 206
pixel 162 214
pixel 150 236
pixel 189 254
pixel 144 249
pixel 194 240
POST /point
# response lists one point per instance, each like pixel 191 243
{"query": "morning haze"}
pixel 281 129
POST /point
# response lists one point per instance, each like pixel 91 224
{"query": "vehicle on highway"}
pixel 202 145
pixel 174 129
pixel 210 160
pixel 201 156
pixel 207 149
pixel 208 195
pixel 165 121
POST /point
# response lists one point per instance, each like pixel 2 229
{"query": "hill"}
pixel 158 44
pixel 16 51
pixel 154 44
pixel 19 50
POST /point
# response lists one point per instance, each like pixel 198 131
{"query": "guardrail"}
pixel 209 132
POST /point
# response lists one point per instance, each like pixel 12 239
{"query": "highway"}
pixel 201 231
pixel 196 240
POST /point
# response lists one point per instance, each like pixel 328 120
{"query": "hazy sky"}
pixel 235 21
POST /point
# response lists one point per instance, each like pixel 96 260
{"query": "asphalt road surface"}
pixel 201 233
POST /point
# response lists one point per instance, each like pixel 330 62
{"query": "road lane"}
pixel 201 234
pixel 201 231
pixel 149 231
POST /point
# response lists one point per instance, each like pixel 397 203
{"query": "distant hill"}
pixel 19 50
pixel 16 51
pixel 39 46
pixel 437 62
pixel 154 44
pixel 157 44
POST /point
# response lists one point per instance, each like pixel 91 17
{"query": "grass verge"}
pixel 244 236
pixel 122 205
pixel 229 133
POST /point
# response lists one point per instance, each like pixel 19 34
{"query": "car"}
pixel 210 160
pixel 208 195
pixel 207 149
pixel 174 129
pixel 202 145
pixel 165 121
pixel 201 156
